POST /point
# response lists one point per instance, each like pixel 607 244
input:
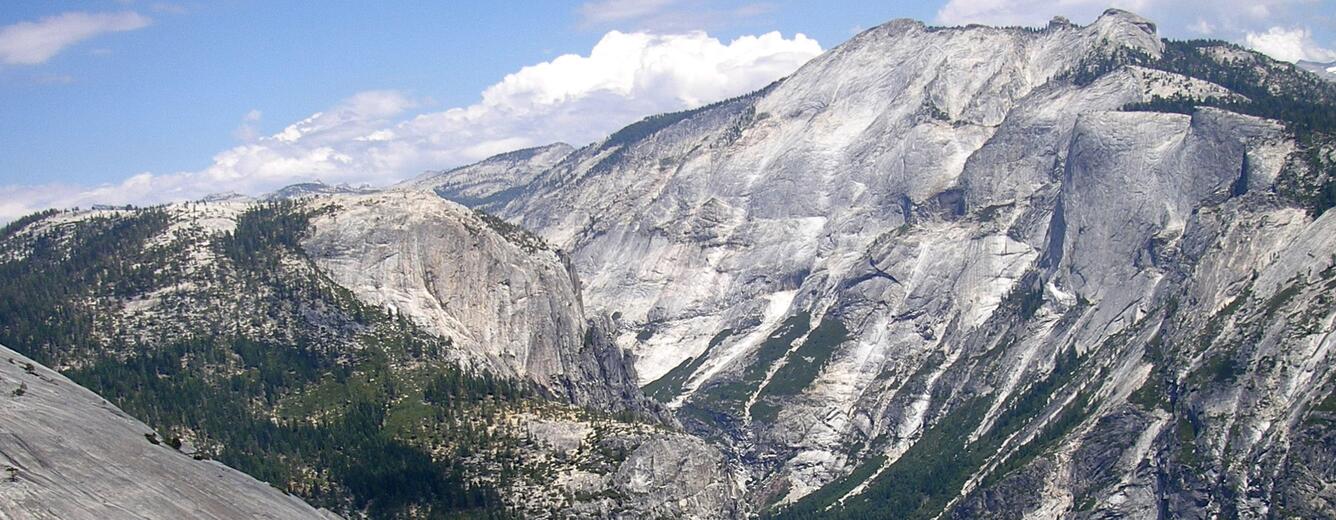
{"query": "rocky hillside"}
pixel 1077 271
pixel 68 454
pixel 389 355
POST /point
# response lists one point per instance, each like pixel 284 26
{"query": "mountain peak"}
pixel 1128 29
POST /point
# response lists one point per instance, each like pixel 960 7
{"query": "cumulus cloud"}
pixel 378 137
pixel 31 43
pixel 1289 44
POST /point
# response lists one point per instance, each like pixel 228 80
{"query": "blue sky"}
pixel 146 101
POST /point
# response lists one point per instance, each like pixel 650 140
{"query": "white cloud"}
pixel 1202 27
pixel 1289 44
pixel 666 15
pixel 376 137
pixel 247 131
pixel 605 11
pixel 31 43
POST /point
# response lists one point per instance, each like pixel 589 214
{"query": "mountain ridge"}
pixel 915 185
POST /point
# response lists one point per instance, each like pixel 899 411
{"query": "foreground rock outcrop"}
pixel 68 454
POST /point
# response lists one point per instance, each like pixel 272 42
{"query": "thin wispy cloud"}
pixel 666 15
pixel 605 11
pixel 35 42
pixel 247 131
pixel 169 8
pixel 378 137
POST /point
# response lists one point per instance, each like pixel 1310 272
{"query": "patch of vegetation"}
pixel 517 235
pixel 730 397
pixel 1152 394
pixel 665 388
pixel 265 233
pixel 1274 90
pixel 807 360
pixel 1047 438
pixel 1282 297
pixel 45 309
pixel 1222 368
pixel 651 125
pixel 917 484
pixel 1185 434
pixel 1094 67
pixel 641 130
pixel 19 223
pixel 1324 411
pixel 831 493
pixel 801 367
pixel 1026 297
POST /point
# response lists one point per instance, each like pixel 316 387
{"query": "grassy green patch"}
pixel 1185 433
pixel 669 386
pixel 1048 436
pixel 806 362
pixel 729 397
pixel 801 367
pixel 1152 394
pixel 278 371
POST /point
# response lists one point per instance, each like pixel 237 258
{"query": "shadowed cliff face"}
pixel 931 241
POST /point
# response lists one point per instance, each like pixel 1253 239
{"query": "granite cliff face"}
pixel 508 302
pixel 1001 243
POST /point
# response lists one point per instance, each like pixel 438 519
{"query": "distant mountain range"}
pixel 1326 71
